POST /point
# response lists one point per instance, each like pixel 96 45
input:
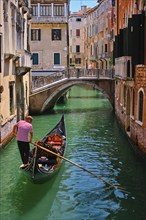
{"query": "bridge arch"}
pixel 45 99
pixel 64 88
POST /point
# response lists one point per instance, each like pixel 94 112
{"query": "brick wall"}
pixel 138 130
pixel 140 83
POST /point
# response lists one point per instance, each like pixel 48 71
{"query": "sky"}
pixel 75 5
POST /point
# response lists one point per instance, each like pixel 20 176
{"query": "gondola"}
pixel 44 161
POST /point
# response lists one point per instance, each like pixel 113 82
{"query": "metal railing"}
pixel 41 80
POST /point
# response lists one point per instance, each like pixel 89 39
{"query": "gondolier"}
pixel 23 131
pixel 43 164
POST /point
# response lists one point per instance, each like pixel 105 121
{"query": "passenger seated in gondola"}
pixel 45 157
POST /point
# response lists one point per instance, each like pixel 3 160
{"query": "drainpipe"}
pixel 117 17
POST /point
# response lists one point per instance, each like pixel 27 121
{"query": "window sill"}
pixel 139 122
pixel 132 117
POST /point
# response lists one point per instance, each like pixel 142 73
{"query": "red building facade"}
pixel 130 68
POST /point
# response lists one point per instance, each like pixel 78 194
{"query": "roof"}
pixel 81 12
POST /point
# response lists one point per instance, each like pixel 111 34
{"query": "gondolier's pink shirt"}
pixel 23 130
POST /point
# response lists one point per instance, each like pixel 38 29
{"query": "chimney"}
pixel 83 8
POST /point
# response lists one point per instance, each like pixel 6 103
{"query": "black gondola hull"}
pixel 42 165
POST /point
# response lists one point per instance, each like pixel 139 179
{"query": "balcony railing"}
pixel 46 19
pixel 48 1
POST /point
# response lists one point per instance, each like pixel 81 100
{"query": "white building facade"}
pixel 49 35
pixel 77 57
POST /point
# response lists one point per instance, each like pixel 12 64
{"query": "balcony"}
pixel 23 3
pixel 123 67
pixel 20 3
pixel 93 58
pixel 29 14
pixel 49 1
pixel 8 55
pixel 46 19
pixel 25 9
pixel 23 62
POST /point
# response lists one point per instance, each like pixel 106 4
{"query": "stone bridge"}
pixel 46 90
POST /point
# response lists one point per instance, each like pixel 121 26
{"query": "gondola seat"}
pixel 55 139
pixel 45 160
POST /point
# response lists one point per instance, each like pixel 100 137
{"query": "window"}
pixel 124 96
pixel 140 106
pixel 91 50
pixel 34 10
pixel 77 32
pixel 78 19
pixel 58 10
pixel 70 60
pixel 56 58
pixel 35 59
pixel 77 48
pixel 113 3
pixel 45 10
pixel 78 61
pixel 11 93
pixel 105 47
pixel 56 34
pixel 133 102
pixel 35 34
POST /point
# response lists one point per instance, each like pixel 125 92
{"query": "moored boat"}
pixel 46 156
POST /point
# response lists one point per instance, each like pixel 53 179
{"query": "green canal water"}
pixel 96 142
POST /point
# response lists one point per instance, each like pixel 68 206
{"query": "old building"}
pixel 99 33
pixel 130 68
pixel 15 64
pixel 77 38
pixel 91 38
pixel 49 35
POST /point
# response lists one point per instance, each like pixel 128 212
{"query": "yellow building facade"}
pixel 15 64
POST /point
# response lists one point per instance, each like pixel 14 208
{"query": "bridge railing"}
pixel 99 73
pixel 40 80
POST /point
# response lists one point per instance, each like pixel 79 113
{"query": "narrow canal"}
pixel 96 142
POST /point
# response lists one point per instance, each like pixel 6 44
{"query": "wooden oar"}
pixel 77 165
pixel 34 162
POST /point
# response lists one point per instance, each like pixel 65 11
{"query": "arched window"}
pixel 133 101
pixel 124 95
pixel 140 106
pixel 128 103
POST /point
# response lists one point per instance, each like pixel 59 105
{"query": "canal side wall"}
pixel 136 131
pixel 6 134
